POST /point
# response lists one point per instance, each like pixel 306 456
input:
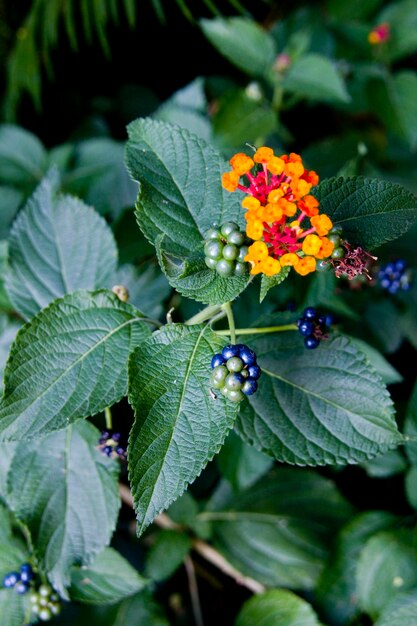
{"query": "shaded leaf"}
pixel 167 554
pixel 314 76
pixel 277 606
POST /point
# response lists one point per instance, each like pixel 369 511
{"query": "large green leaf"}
pixel 410 426
pixel 22 157
pixel 314 76
pixel 14 608
pixel 241 464
pixel 57 245
pixel 402 18
pixel 316 407
pixel 13 551
pixel 243 42
pixel 386 565
pixel 7 336
pixel 167 554
pixel 179 426
pixel 276 606
pixel 69 362
pixel 401 611
pixel 180 197
pixel 66 493
pixel 370 211
pixel 108 579
pixel 147 287
pixel 279 531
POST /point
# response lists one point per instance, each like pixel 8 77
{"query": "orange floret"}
pixel 230 181
pixel 294 169
pixel 309 205
pixel 326 248
pixel 288 208
pixel 272 212
pixel 250 203
pixel 270 266
pixel 311 244
pixel 241 163
pixel 306 265
pixel 263 155
pixel 255 229
pixel 322 223
pixel 276 165
pixel 290 258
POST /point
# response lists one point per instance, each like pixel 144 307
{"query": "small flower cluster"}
pixel 235 372
pixel 379 34
pixel 394 276
pixel 20 581
pixel 277 205
pixel 313 327
pixel 45 603
pixel 110 445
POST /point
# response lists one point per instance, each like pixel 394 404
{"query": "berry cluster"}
pixel 313 326
pixel 20 581
pixel 110 445
pixel 235 372
pixel 335 237
pixel 225 250
pixel 45 603
pixel 393 276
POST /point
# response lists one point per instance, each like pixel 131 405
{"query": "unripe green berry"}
pixel 43 601
pixel 224 391
pixel 213 249
pixel 240 269
pixel 338 253
pixel 336 230
pixel 211 263
pixel 335 239
pixel 237 238
pixel 244 373
pixel 54 598
pixel 242 253
pixel 218 376
pixel 234 364
pixel 233 383
pixel 55 608
pixel 34 598
pixel 230 252
pixel 45 614
pixel 213 233
pixel 323 266
pixel 224 267
pixel 228 228
pixel 45 590
pixel 235 395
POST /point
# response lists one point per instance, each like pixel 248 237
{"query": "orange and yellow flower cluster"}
pixel 277 205
pixel 379 34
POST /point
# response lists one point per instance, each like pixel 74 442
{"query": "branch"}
pixel 201 547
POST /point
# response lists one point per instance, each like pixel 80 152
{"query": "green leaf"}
pixel 243 42
pixel 241 464
pixel 167 554
pixel 13 608
pixel 10 201
pixel 57 245
pixel 386 565
pixel 317 407
pixel 336 592
pixel 13 550
pixel 370 211
pixel 7 336
pixel 180 197
pixel 71 518
pixel 69 362
pixel 276 606
pixel 410 426
pixel 22 157
pixel 388 373
pixel 315 77
pixel 402 17
pixel 278 530
pixel 411 486
pixel 108 579
pixel 401 611
pixel 147 287
pixel 170 442
pixel 268 282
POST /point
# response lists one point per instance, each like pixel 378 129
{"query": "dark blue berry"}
pixel 11 579
pixel 306 327
pixel 311 342
pixel 230 351
pixel 310 313
pixel 218 359
pixel 254 371
pixel 116 437
pixel 26 573
pixel 108 450
pixel 329 320
pixel 400 265
pixel 22 587
pixel 120 451
pixel 104 436
pixel 248 356
pixel 249 387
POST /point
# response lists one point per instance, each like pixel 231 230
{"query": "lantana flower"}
pixel 379 34
pixel 282 217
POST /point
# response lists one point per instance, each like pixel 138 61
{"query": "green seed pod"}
pixel 241 269
pixel 234 364
pixel 224 391
pixel 211 263
pixel 225 268
pixel 338 253
pixel 230 252
pixel 213 249
pixel 335 239
pixel 236 238
pixel 228 228
pixel 218 376
pixel 235 395
pixel 244 373
pixel 45 591
pixel 45 614
pixel 212 233
pixel 232 382
pixel 242 253
pixel 34 598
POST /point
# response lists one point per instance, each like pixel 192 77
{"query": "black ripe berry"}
pixel 313 326
pixel 225 249
pixel 235 372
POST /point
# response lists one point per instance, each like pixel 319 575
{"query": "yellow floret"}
pixel 276 165
pixel 263 155
pixel 311 244
pixel 241 163
pixel 230 181
pixel 322 223
pixel 254 229
pixel 306 265
pixel 250 203
pixel 290 258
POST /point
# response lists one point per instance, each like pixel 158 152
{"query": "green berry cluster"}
pixel 45 603
pixel 235 372
pixel 335 236
pixel 225 249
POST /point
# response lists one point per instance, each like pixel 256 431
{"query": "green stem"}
pixel 231 321
pixel 257 331
pixel 108 417
pixel 204 315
